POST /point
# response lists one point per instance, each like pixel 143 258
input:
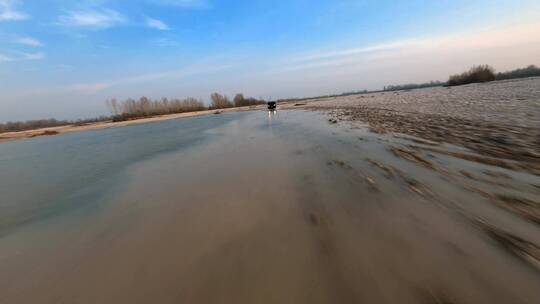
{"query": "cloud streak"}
pixel 29 41
pixel 429 46
pixel 21 57
pixel 156 24
pixel 385 46
pixel 98 19
pixel 198 69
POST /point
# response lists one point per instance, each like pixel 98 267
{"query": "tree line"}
pixel 146 107
pixel 133 109
pixel 222 102
pixel 481 73
pixel 530 71
pixel 14 126
pixel 476 74
pixel 486 73
pixel 412 86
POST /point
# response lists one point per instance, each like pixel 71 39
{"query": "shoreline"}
pixel 51 131
pixel 307 102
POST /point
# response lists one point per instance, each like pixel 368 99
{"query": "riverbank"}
pixel 8 136
pixel 496 123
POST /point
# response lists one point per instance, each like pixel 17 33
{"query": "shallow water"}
pixel 243 208
pixel 43 176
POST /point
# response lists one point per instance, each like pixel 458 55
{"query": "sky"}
pixel 63 59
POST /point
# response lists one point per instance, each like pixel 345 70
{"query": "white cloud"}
pixel 92 19
pixel 29 41
pixel 9 13
pixel 21 56
pixel 156 24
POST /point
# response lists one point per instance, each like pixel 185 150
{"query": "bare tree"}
pixel 239 100
pixel 112 105
pixel 220 101
pixel 144 106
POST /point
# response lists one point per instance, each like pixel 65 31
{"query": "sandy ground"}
pixel 498 122
pixel 103 125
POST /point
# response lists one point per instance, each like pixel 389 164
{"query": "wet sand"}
pixel 287 208
pixel 499 122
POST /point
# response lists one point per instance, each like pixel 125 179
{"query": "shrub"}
pixel 481 73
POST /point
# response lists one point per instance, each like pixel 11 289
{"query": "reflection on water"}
pixel 42 176
pixel 271 114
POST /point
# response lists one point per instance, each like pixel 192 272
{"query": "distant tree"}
pixel 144 106
pixel 477 74
pixel 413 86
pixel 530 71
pixel 32 124
pixel 220 101
pixel 239 100
pixel 112 104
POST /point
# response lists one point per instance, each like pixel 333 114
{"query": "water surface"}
pixel 240 208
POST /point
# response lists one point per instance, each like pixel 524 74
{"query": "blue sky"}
pixel 63 59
